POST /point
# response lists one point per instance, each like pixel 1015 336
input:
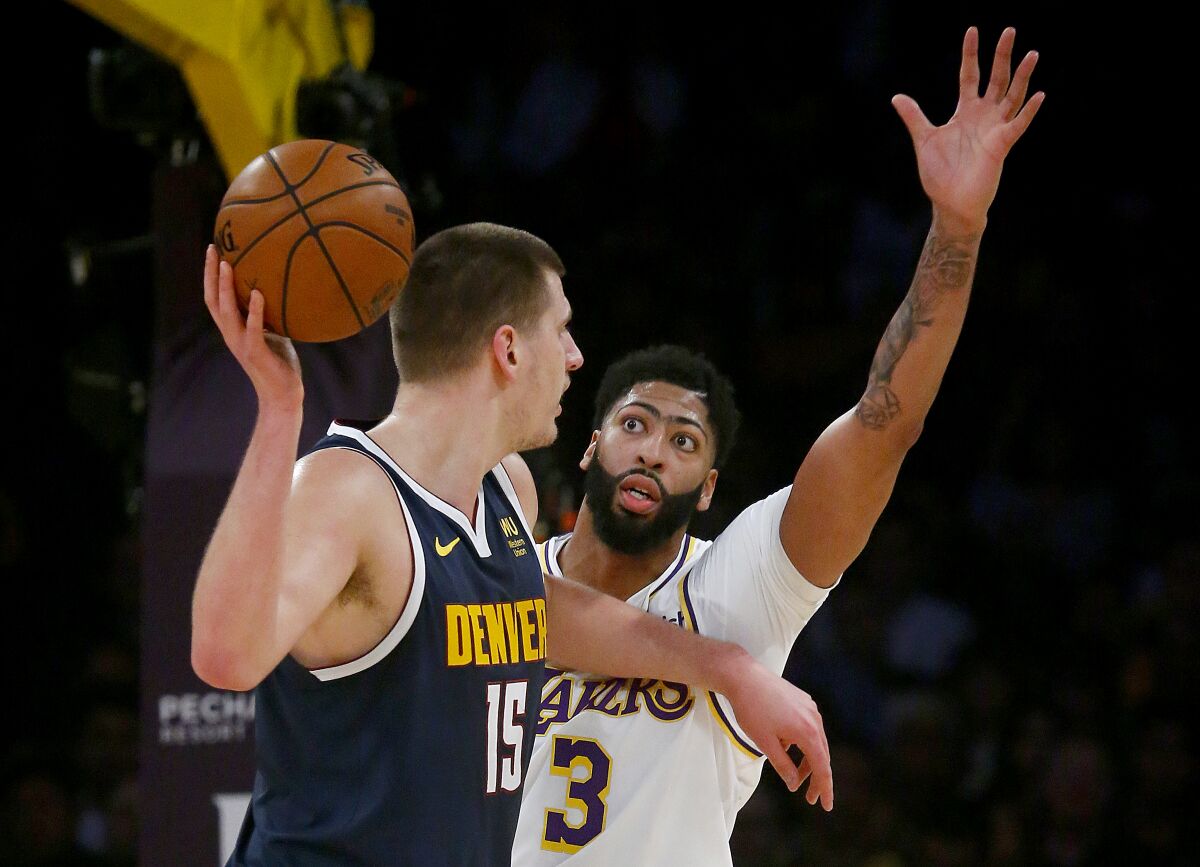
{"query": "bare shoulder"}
pixel 346 489
pixel 522 480
pixel 344 509
pixel 340 473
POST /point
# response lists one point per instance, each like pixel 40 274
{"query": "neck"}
pixel 447 435
pixel 589 561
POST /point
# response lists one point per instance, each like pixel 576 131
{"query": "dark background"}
pixel 1003 671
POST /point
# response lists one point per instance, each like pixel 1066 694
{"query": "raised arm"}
pixel 276 558
pixel 847 477
pixel 593 632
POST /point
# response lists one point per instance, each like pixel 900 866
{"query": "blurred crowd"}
pixel 1004 672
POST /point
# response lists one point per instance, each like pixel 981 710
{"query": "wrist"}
pixel 729 669
pixel 281 413
pixel 949 225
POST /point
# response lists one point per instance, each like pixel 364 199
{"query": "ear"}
pixel 706 495
pixel 591 451
pixel 504 351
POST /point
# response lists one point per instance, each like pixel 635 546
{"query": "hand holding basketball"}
pixel 268 359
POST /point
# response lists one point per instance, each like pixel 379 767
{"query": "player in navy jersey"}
pixel 383 595
pixel 667 771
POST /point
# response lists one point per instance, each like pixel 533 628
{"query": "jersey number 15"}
pixel 505 735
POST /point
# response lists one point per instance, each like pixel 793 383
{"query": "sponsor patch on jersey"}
pixel 512 535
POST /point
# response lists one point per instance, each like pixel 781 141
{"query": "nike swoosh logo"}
pixel 443 550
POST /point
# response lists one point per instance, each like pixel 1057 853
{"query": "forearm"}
pixel 589 631
pixel 236 601
pixel 912 356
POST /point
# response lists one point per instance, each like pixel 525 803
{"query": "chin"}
pixel 539 440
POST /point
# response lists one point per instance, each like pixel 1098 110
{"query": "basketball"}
pixel 323 231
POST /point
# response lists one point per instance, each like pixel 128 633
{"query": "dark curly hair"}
pixel 684 368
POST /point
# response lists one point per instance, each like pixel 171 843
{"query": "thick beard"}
pixel 632 534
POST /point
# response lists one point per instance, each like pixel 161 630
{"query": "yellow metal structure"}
pixel 243 60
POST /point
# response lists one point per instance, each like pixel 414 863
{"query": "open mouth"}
pixel 639 494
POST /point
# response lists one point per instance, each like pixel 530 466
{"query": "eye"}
pixel 685 442
pixel 632 424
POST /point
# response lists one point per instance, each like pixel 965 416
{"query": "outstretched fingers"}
pixel 1001 65
pixel 968 72
pixel 914 119
pixel 1015 98
pixel 1015 128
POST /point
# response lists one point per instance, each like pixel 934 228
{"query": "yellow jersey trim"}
pixel 685 608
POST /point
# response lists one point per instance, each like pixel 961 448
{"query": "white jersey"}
pixel 642 772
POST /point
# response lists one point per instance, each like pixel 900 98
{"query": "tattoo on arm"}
pixel 946 266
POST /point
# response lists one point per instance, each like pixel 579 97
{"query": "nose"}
pixel 650 453
pixel 574 356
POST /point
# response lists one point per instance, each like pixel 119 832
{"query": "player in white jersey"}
pixel 640 772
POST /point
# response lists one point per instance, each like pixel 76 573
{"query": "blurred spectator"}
pixel 107 761
pixel 39 828
pixel 1075 796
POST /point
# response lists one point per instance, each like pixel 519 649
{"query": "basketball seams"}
pixel 229 203
pixel 348 225
pixel 287 273
pixel 317 167
pixel 355 186
pixel 314 234
pixel 324 250
pixel 322 198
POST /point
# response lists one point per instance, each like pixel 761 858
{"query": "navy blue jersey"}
pixel 415 753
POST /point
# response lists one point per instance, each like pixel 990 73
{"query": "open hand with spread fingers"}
pixel 960 161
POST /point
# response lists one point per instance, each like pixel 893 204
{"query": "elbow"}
pixel 908 434
pixel 895 441
pixel 894 431
pixel 220 669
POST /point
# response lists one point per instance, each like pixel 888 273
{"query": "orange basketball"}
pixel 323 231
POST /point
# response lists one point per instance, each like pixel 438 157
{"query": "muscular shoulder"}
pixel 342 491
pixel 751 547
pixel 750 543
pixel 343 509
pixel 760 518
pixel 343 474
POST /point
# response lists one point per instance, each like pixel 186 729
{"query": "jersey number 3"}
pixel 505 735
pixel 586 792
